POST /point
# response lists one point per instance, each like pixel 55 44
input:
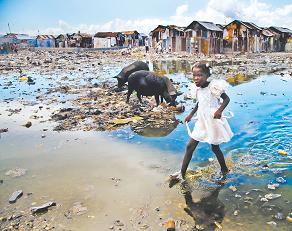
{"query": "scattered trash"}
pixel 282 152
pixel 170 225
pixel 232 188
pixel 281 180
pixel 272 196
pixel 43 207
pixel 17 194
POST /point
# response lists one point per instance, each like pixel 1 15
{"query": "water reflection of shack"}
pixel 171 66
pixel 152 131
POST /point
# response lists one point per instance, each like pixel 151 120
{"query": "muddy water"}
pixel 122 175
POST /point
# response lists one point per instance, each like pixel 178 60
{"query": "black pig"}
pixel 122 77
pixel 147 83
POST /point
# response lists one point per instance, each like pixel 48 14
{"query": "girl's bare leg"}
pixel 188 156
pixel 220 157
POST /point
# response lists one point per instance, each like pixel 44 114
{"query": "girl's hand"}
pixel 217 114
pixel 188 118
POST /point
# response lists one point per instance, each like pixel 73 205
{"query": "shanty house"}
pixel 239 36
pixel 22 40
pixel 45 41
pixel 171 37
pixel 81 40
pixel 108 39
pixel 282 38
pixel 203 37
pixel 62 40
pixel 131 38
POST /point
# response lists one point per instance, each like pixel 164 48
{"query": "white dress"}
pixel 207 129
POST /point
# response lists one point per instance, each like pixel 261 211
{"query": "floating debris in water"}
pixel 273 186
pixel 281 180
pixel 272 196
pixel 232 188
pixel 282 152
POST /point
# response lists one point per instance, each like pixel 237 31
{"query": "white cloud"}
pixel 259 12
pixel 223 12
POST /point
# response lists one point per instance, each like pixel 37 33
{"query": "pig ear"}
pixel 178 93
pixel 115 77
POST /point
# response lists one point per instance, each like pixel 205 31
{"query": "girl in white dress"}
pixel 210 126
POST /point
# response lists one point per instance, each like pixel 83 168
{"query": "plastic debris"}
pixel 281 180
pixel 273 186
pixel 282 152
pixel 232 188
pixel 170 225
pixel 272 196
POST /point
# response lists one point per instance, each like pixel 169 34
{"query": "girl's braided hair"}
pixel 205 68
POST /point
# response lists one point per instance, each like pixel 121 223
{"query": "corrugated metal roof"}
pixel 282 29
pixel 252 25
pixel 210 26
pixel 268 33
pixel 45 37
pixel 129 32
pixel 106 34
pixel 25 37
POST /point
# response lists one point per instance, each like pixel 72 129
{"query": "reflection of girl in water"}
pixel 207 211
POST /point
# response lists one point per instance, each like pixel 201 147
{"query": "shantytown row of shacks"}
pixel 198 37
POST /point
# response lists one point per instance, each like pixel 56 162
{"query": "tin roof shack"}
pixel 176 40
pixel 82 40
pixel 159 35
pixel 62 40
pixel 204 37
pixel 142 38
pixel 171 37
pixel 241 36
pixel 282 38
pixel 131 38
pixel 22 40
pixel 45 41
pixel 108 39
pixel 268 40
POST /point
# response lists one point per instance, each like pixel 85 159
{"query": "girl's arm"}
pixel 226 100
pixel 188 118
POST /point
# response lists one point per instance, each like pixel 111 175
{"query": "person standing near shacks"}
pixel 146 45
pixel 210 126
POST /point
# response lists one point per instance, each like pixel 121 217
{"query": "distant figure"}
pixel 159 47
pixel 146 45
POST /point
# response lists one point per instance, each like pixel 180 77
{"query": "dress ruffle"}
pixel 218 86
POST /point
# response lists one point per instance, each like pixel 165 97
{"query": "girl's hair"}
pixel 204 67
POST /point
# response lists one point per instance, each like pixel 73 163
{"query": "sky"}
pixel 90 16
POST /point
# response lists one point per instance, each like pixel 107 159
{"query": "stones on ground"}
pixel 272 223
pixel 78 209
pixel 28 124
pixel 42 208
pixel 272 196
pixel 279 216
pixel 17 172
pixel 16 195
